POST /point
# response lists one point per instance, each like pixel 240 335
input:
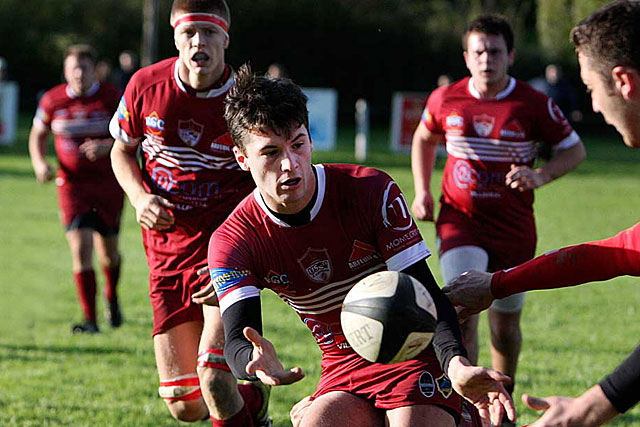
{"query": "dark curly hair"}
pixel 496 25
pixel 261 104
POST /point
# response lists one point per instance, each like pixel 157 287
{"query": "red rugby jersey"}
pixel 72 119
pixel 484 137
pixel 187 158
pixel 360 224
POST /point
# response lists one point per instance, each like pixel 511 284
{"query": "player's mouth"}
pixel 200 58
pixel 290 183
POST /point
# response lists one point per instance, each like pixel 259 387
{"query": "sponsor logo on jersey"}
pixel 190 131
pixel 154 123
pixel 277 279
pixel 222 143
pixel 444 386
pixel 395 210
pixel 454 120
pixel 316 265
pixel 483 124
pixel 321 331
pixel 426 384
pixel 404 240
pixel 362 254
pixel 123 113
pixel 163 178
pixel 223 279
pixel 514 130
pixel 466 177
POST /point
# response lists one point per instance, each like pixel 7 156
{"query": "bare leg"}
pixel 506 340
pixel 176 354
pixel 419 415
pixel 338 408
pixel 470 335
pixel 81 245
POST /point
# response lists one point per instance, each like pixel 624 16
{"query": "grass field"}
pixel 572 337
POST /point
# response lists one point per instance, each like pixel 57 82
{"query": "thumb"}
pixel 252 335
pixel 499 376
pixel 535 403
pixel 164 202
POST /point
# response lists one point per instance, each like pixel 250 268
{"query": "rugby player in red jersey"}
pixel 309 233
pixel 491 123
pixel 77 113
pixel 188 183
pixel 607 46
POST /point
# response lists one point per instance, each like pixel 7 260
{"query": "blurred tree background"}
pixel 363 48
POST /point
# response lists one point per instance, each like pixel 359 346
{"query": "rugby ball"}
pixel 388 317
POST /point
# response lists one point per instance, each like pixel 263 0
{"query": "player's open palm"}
pixel 152 212
pixel 265 364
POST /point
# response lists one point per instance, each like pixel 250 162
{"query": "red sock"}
pixel 252 397
pixel 111 274
pixel 86 287
pixel 241 419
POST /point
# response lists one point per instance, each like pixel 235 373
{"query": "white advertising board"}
pixel 323 117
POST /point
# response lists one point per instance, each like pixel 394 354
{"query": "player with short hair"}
pixel 187 185
pixel 608 47
pixel 277 238
pixel 77 113
pixel 490 122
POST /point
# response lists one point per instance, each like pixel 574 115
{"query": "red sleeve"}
pixel 553 126
pixel 431 113
pixel 573 265
pixel 44 111
pixel 127 123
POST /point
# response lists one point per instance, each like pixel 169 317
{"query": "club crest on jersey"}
pixel 483 124
pixel 513 130
pixel 154 123
pixel 362 254
pixel 444 386
pixel 190 131
pixel 426 384
pixel 316 264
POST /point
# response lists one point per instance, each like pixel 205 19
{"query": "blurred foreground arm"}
pixel 37 150
pixel 423 157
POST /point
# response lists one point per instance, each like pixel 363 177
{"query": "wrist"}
pixel 456 364
pixel 544 176
pixel 598 408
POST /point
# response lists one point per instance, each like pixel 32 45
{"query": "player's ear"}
pixel 240 158
pixel 226 42
pixel 626 81
pixel 512 57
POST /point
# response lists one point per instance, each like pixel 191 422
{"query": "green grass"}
pixel 572 337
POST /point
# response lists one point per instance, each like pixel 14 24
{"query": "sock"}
pixel 86 287
pixel 241 419
pixel 112 275
pixel 252 397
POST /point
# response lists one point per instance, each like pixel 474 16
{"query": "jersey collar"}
pixel 204 94
pixel 92 91
pixel 322 185
pixel 500 95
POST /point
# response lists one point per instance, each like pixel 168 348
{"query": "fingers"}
pixel 206 295
pixel 204 271
pixel 153 214
pixel 535 403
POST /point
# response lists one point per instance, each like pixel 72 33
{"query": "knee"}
pixel 216 382
pixel 183 397
pixel 188 411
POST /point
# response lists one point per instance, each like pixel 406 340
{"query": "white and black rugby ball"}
pixel 388 317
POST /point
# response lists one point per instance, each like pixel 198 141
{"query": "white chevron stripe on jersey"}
pixel 487 149
pixel 185 158
pixel 80 127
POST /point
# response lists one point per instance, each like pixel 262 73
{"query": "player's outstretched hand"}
pixel 589 410
pixel 152 212
pixel 96 148
pixel 484 388
pixel 523 178
pixel 422 207
pixel 265 364
pixel 471 291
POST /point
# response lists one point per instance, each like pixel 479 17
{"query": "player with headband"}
pixel 187 184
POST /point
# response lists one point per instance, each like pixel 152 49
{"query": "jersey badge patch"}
pixel 483 124
pixel 123 113
pixel 190 131
pixel 426 384
pixel 316 265
pixel 224 279
pixel 362 254
pixel 444 386
pixel 154 123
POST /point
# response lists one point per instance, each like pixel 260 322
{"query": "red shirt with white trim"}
pixel 187 159
pixel 484 137
pixel 360 224
pixel 72 119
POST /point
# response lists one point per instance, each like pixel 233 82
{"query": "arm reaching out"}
pixel 264 362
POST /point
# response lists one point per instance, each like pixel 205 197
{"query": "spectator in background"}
pixel 444 80
pixel 103 71
pixel 128 61
pixel 557 87
pixel 277 70
pixel 77 113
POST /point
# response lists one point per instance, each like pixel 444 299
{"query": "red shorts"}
pixel 105 199
pixel 414 382
pixel 171 299
pixel 506 248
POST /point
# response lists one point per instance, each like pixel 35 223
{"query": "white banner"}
pixel 8 112
pixel 323 117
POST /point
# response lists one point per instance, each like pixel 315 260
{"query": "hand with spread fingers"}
pixel 470 293
pixel 265 364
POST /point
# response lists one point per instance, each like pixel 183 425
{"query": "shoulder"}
pixel 357 178
pixel 527 92
pixel 151 75
pixel 56 94
pixel 457 88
